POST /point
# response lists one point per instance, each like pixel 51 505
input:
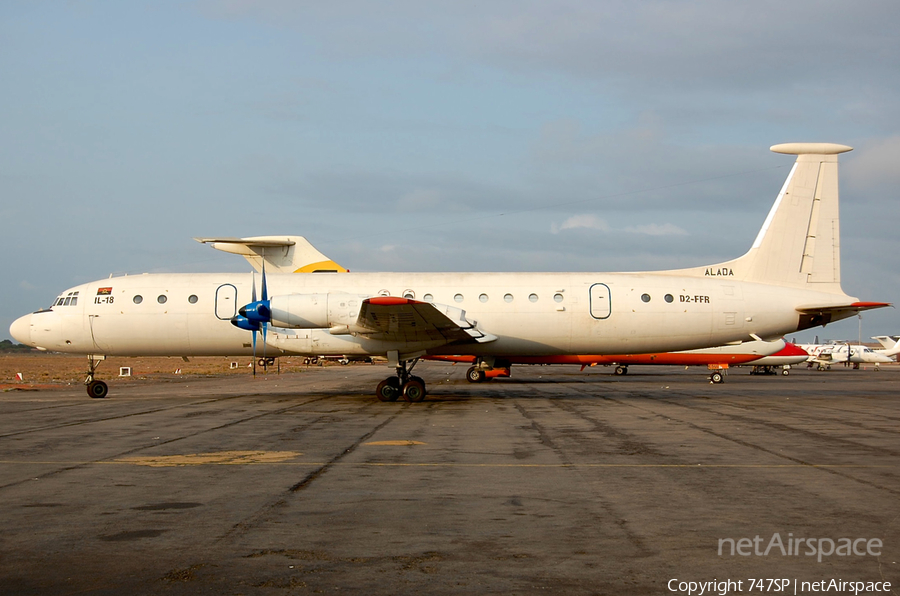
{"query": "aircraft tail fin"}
pixel 799 242
pixel 281 254
pixel 892 347
pixel 887 341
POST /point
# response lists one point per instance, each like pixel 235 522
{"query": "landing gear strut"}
pixel 411 387
pixel 95 389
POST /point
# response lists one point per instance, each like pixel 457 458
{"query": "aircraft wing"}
pixel 392 318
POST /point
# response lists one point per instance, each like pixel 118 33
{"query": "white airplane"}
pixel 891 343
pixel 789 280
pixel 824 355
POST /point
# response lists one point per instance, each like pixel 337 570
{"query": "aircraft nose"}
pixel 21 330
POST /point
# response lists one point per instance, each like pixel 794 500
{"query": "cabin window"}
pixel 458 298
pixel 409 294
pixel 384 293
pixel 508 297
pixel 162 299
pixel 645 297
pixel 138 299
pixel 428 298
pixel 558 297
pixel 533 297
pixel 483 298
pixel 669 298
pixel 193 299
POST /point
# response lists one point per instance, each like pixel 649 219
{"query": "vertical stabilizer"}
pixel 799 244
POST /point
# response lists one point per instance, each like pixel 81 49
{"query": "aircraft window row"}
pixel 483 297
pixel 668 298
pixel 162 299
pixel 70 299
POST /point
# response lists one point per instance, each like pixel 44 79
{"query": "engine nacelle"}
pixel 315 311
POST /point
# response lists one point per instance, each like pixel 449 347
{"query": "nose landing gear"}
pixel 411 387
pixel 95 389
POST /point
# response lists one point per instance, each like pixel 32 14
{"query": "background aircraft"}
pixel 824 355
pixel 758 353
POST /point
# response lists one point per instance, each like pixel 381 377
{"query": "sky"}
pixel 438 136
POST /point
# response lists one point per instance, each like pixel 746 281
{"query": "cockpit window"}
pixel 70 299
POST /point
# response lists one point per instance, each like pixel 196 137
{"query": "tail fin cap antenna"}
pixel 810 148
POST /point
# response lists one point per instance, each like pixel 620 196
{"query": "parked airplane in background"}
pixel 757 353
pixel 889 342
pixel 824 355
pixel 789 280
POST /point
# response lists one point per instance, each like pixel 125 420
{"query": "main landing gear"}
pixel 487 370
pixel 95 389
pixel 412 388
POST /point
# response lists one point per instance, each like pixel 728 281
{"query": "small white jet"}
pixel 789 280
pixel 891 343
pixel 824 355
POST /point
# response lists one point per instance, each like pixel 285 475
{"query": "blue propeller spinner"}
pixel 256 315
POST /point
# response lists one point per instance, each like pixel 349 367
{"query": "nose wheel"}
pixel 95 389
pixel 410 387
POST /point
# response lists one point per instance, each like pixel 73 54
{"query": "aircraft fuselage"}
pixel 529 313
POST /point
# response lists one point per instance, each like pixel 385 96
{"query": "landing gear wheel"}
pixel 475 375
pixel 621 370
pixel 97 389
pixel 414 390
pixel 717 377
pixel 388 389
pixel 785 372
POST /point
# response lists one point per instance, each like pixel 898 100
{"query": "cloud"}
pixel 666 229
pixel 26 285
pixel 591 222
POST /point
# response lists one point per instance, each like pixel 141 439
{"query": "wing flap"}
pixel 410 321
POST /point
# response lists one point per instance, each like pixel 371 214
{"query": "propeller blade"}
pixel 253 299
pixel 254 352
pixel 265 325
pixel 265 289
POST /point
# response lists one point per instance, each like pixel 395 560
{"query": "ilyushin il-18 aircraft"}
pixel 789 280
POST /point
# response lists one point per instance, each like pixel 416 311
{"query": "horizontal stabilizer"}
pixel 813 316
pixel 281 254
